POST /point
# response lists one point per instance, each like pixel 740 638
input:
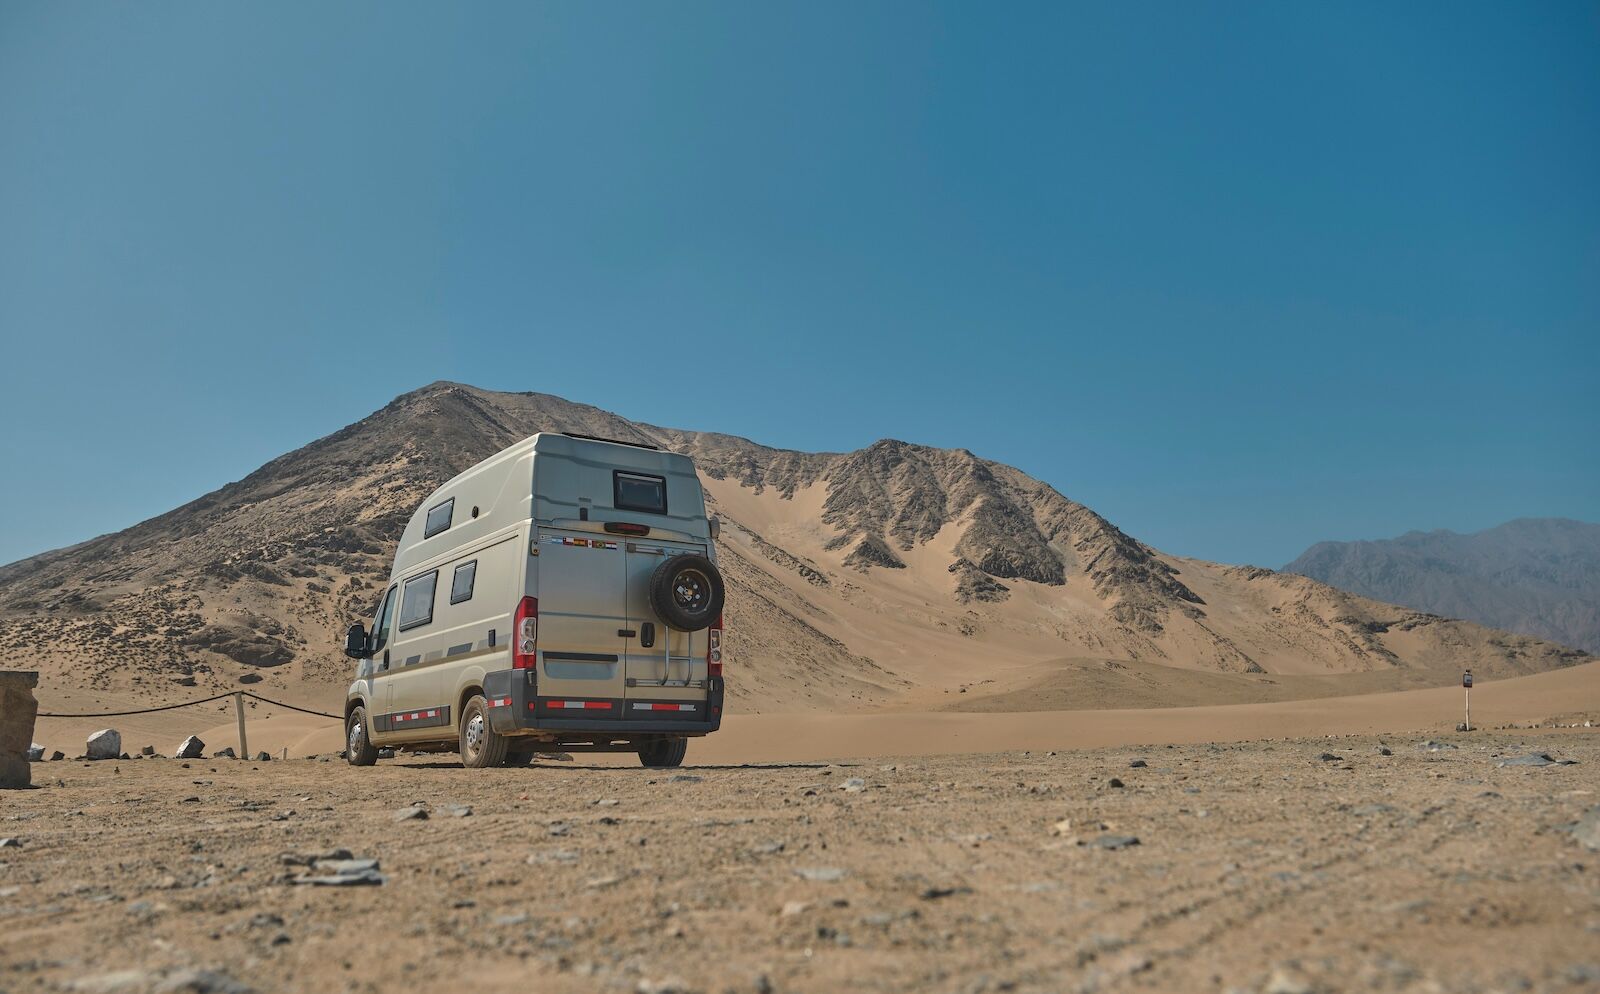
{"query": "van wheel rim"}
pixel 474 733
pixel 355 737
pixel 691 590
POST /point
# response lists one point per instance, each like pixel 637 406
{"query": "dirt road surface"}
pixel 1266 866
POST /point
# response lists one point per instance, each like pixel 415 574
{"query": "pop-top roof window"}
pixel 439 518
pixel 638 492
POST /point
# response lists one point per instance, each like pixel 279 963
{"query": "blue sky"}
pixel 1239 276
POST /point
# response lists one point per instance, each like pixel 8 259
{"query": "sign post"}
pixel 1466 683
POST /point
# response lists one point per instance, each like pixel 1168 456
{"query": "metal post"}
pixel 1469 709
pixel 238 711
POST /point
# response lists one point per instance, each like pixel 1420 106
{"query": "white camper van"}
pixel 562 595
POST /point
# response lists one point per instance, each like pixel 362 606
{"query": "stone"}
pixel 202 982
pixel 104 744
pixel 411 814
pixel 1384 751
pixel 1137 764
pixel 57 756
pixel 147 751
pixel 1531 759
pixel 226 752
pixel 17 712
pixel 1587 831
pixel 458 810
pixel 36 753
pixel 263 757
pixel 190 748
pixel 854 785
pixel 10 843
pixel 820 874
pixel 1114 782
pixel 1114 841
pixel 1329 757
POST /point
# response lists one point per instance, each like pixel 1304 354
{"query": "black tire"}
pixel 481 746
pixel 358 747
pixel 516 758
pixel 686 592
pixel 664 753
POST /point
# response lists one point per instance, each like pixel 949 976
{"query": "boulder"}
pixel 104 744
pixel 17 712
pixel 190 748
pixel 147 751
pixel 36 753
pixel 226 752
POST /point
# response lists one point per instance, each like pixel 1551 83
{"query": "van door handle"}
pixel 647 635
pixel 626 633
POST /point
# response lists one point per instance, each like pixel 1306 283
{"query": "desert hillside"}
pixel 1534 575
pixel 898 576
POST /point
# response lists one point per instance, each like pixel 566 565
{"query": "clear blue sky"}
pixel 1240 276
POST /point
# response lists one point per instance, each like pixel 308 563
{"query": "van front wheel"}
pixel 664 753
pixel 481 745
pixel 358 748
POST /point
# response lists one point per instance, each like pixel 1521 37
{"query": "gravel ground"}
pixel 1288 866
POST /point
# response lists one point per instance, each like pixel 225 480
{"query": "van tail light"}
pixel 525 634
pixel 714 648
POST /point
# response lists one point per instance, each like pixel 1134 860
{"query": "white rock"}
pixel 104 744
pixel 190 748
pixel 35 753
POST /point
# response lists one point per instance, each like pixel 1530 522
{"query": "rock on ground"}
pixel 190 748
pixel 104 744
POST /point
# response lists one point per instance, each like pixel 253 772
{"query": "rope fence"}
pixel 238 710
pixel 186 704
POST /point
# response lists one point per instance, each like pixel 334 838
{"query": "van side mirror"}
pixel 355 642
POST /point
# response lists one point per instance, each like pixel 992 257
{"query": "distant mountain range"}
pixel 1539 576
pixel 894 575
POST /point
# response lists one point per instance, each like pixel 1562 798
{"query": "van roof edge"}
pixel 613 441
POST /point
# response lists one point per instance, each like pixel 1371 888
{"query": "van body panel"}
pixel 531 521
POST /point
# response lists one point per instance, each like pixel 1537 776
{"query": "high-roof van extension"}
pixel 562 595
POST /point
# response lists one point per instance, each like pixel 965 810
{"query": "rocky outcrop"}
pixel 17 711
pixel 872 551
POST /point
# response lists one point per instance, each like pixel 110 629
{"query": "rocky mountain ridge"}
pixel 856 579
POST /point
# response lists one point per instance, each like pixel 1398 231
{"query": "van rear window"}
pixel 639 492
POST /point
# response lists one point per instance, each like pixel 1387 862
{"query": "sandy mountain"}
pixel 897 576
pixel 1534 575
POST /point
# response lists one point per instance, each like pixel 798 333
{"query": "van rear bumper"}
pixel 515 706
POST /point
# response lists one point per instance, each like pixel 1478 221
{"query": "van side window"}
pixel 439 518
pixel 461 584
pixel 416 605
pixel 639 492
pixel 384 623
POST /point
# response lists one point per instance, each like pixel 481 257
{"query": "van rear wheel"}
pixel 481 746
pixel 664 753
pixel 518 758
pixel 358 748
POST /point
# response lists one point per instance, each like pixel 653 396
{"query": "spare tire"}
pixel 686 592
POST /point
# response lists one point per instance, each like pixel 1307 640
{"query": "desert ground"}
pixel 1373 862
pixel 1331 844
